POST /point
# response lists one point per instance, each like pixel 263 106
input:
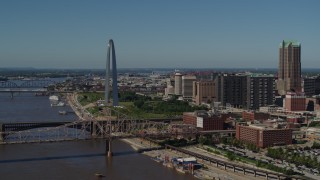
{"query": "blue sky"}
pixel 151 34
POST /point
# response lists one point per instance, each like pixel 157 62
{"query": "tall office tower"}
pixel 245 90
pixel 317 86
pixel 178 84
pixel 289 72
pixel 261 90
pixel 309 86
pixel 187 86
pixel 232 89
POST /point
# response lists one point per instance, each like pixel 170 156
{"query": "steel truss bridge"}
pixel 117 125
pixel 27 84
pixel 83 129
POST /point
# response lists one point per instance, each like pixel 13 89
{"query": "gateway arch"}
pixel 112 54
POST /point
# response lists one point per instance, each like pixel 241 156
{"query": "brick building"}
pixel 296 119
pixel 203 120
pixel 263 136
pixel 295 102
pixel 252 115
pixel 203 92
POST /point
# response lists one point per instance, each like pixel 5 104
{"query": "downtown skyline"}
pixel 158 34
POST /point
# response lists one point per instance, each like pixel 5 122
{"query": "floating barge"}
pixel 63 112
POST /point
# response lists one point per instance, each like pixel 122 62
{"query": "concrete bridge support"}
pixel 109 147
pixel 1 132
pixel 93 129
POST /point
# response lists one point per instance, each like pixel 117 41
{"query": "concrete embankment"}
pixel 141 145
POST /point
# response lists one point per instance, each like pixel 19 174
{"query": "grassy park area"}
pixel 138 106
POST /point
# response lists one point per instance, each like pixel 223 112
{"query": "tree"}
pixel 315 145
pixel 231 156
pixel 310 106
pixel 203 140
pixel 138 103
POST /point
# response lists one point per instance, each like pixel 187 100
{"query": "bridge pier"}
pixel 109 147
pixel 1 132
pixel 93 129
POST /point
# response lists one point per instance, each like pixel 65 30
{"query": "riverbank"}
pixel 140 145
pixel 75 106
pixel 210 171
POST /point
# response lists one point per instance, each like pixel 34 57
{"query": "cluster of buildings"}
pixel 258 128
pixel 243 90
pixel 246 90
pixel 269 106
pixel 135 82
pixel 273 106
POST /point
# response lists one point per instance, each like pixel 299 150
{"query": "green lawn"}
pixel 135 112
pixel 139 106
pixel 87 98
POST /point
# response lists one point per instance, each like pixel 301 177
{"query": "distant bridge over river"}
pixel 27 83
pixel 29 86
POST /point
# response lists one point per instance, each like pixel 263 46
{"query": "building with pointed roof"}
pixel 289 72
